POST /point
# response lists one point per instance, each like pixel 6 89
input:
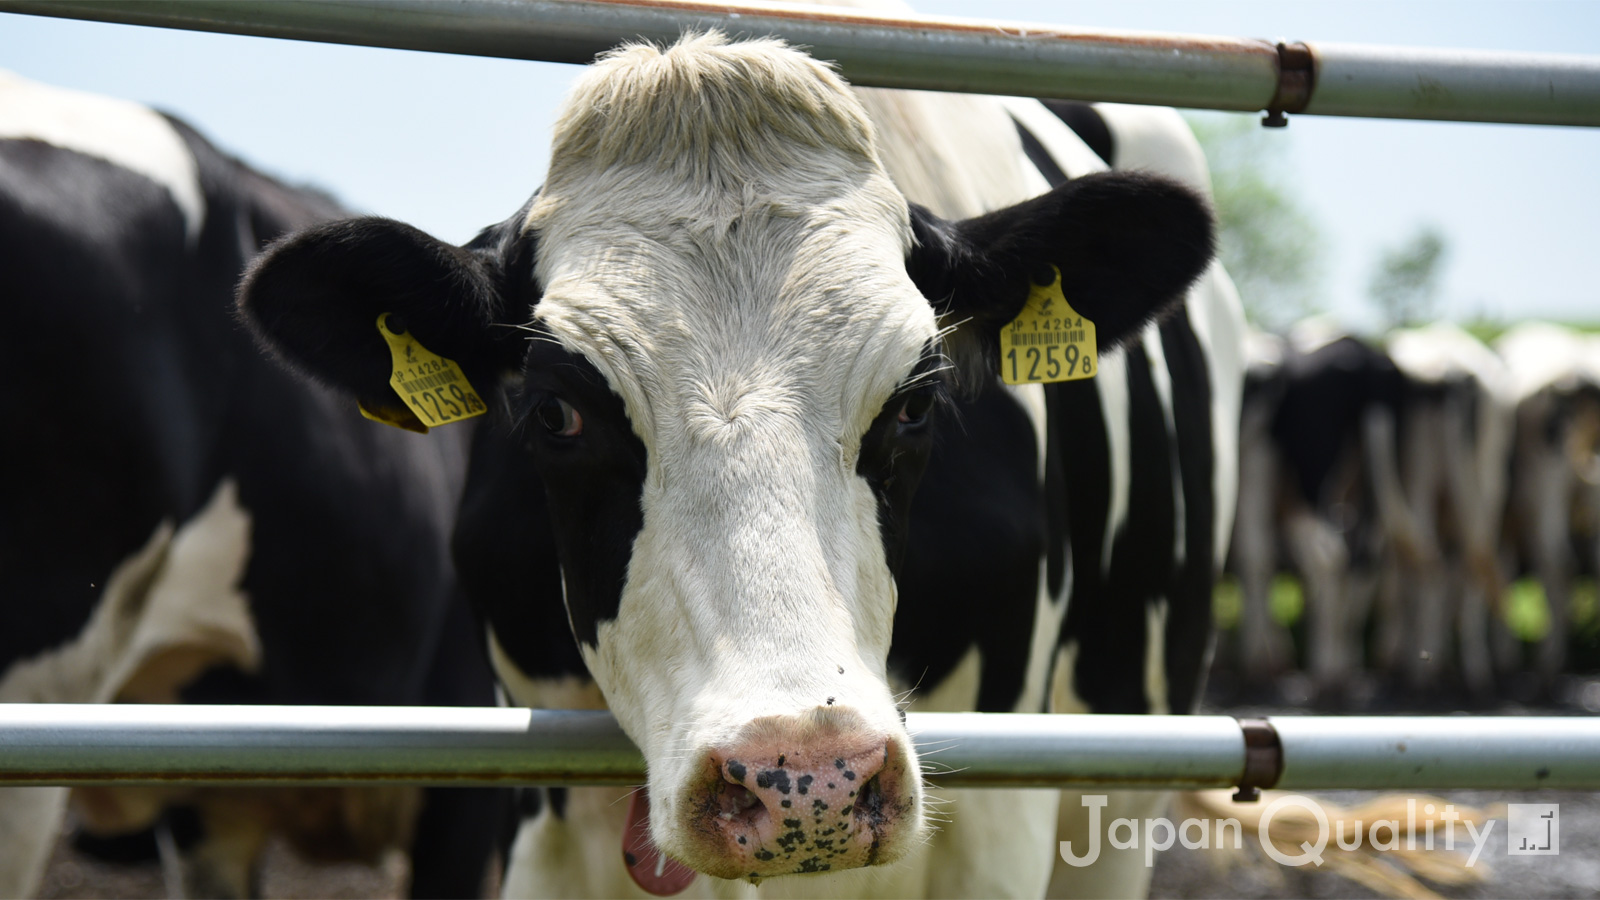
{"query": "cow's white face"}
pixel 722 321
pixel 755 317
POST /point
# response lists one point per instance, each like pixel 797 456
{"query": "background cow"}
pixel 1454 452
pixel 1552 525
pixel 1387 505
pixel 1323 498
pixel 1262 648
pixel 183 519
pixel 726 350
pixel 1426 474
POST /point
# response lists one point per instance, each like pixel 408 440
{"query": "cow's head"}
pixel 726 332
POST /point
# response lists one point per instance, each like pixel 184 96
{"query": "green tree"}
pixel 1267 239
pixel 1405 285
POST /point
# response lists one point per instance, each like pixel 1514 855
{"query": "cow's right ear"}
pixel 1127 246
pixel 314 299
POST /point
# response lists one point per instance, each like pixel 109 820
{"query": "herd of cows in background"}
pixel 220 530
pixel 1408 483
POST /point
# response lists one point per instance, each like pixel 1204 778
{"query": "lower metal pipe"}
pixel 72 744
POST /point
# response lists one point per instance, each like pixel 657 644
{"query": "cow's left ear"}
pixel 314 299
pixel 1128 245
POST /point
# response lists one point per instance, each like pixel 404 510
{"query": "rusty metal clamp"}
pixel 1263 759
pixel 1297 78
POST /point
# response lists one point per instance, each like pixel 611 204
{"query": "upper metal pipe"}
pixel 81 744
pixel 1426 83
pixel 929 52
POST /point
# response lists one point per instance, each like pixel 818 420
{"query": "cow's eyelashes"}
pixel 558 418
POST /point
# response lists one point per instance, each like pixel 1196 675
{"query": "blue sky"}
pixel 453 143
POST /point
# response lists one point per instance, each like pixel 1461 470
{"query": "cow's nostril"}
pixel 869 802
pixel 737 803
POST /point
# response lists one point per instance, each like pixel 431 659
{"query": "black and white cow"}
pixel 1255 554
pixel 1455 448
pixel 183 519
pixel 1553 507
pixel 1319 438
pixel 755 457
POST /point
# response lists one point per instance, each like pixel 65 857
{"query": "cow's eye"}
pixel 914 409
pixel 558 417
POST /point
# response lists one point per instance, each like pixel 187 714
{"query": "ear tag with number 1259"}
pixel 1049 341
pixel 433 389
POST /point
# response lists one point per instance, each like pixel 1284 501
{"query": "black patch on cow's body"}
pixel 1041 158
pixel 1321 398
pixel 593 482
pixel 70 318
pixel 529 802
pixel 894 455
pixel 1317 402
pixel 1088 125
pixel 979 500
pixel 505 551
pixel 1110 631
pixel 1189 620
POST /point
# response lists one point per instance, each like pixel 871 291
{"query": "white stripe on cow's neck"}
pixel 1155 655
pixel 1112 385
pixel 125 134
pixel 1219 328
pixel 1161 380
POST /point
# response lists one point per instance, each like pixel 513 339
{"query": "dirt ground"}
pixel 1179 872
pixel 76 876
pixel 1575 872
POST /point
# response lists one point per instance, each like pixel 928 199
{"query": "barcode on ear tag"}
pixel 431 387
pixel 1049 341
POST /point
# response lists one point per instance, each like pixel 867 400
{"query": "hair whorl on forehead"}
pixel 706 100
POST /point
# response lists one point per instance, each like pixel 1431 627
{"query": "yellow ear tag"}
pixel 432 389
pixel 1049 341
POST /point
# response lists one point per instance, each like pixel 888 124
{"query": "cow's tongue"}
pixel 651 869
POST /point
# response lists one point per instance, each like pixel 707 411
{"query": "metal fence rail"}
pixel 238 745
pixel 938 53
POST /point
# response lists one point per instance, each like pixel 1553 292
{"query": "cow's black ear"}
pixel 1128 246
pixel 314 298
